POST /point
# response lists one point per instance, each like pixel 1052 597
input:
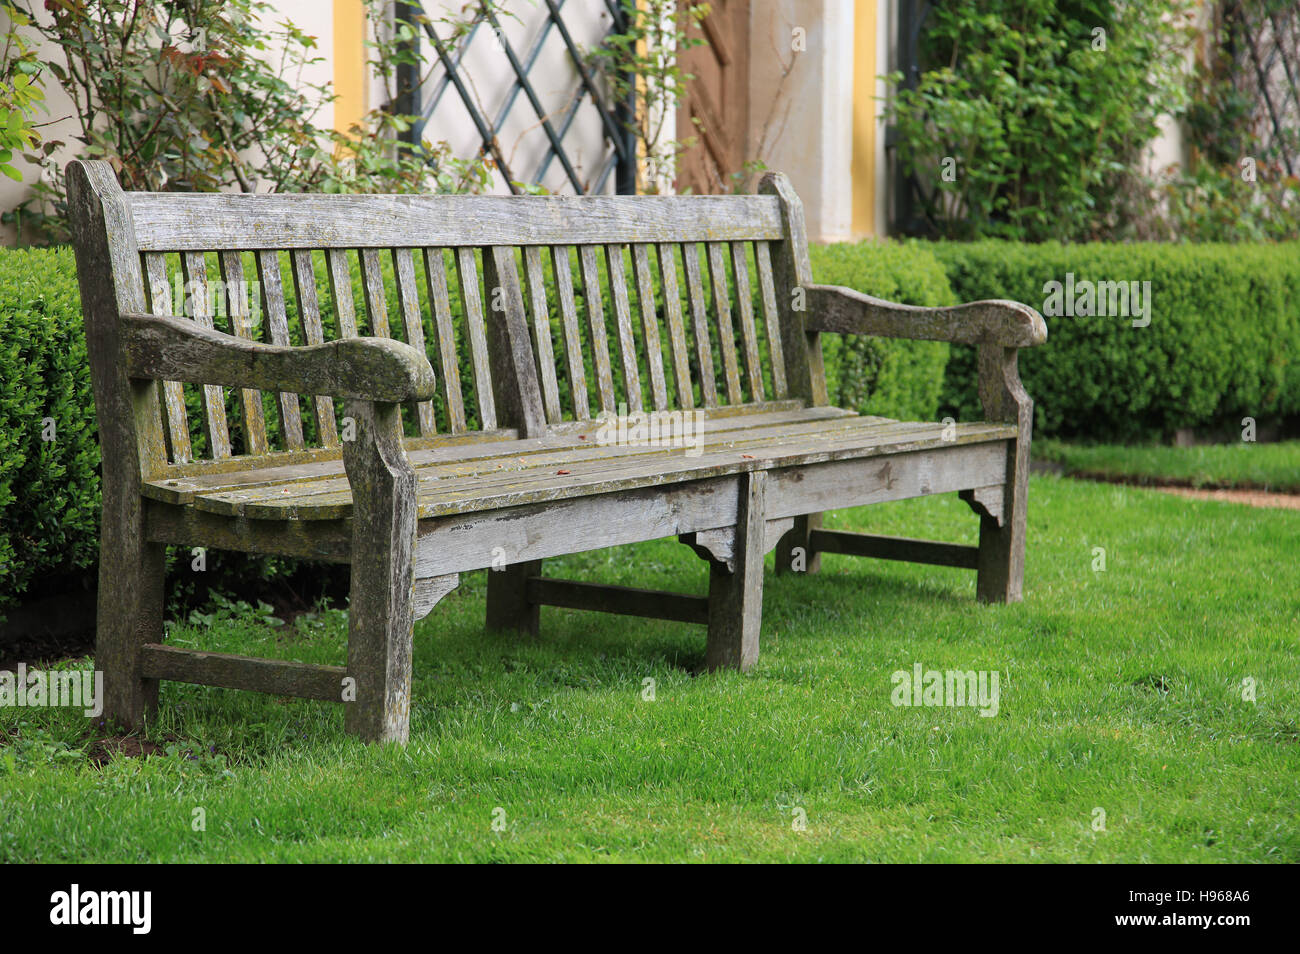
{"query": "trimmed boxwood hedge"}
pixel 1223 342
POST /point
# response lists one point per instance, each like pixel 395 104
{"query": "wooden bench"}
pixel 495 461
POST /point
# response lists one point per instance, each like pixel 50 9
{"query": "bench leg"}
pixel 381 612
pixel 129 614
pixel 508 606
pixel 1001 569
pixel 736 593
pixel 794 551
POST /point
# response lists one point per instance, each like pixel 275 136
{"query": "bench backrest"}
pixel 533 310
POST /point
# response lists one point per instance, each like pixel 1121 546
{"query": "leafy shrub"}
pixel 890 377
pixel 1221 345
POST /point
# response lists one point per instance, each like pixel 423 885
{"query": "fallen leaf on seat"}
pixel 561 471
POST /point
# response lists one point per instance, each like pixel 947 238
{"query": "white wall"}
pixel 801 104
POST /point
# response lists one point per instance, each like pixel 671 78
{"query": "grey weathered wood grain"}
pixel 173 392
pixel 372 290
pixel 771 318
pixel 569 322
pixel 645 295
pixel 277 323
pixel 198 296
pixel 408 305
pixel 381 606
pixel 510 607
pixel 794 551
pixel 536 286
pixel 726 330
pixel 340 278
pixel 1000 578
pixel 895 548
pixel 472 301
pixel 699 324
pixel 241 326
pixel 304 289
pixel 188 221
pixel 130 600
pixel 623 325
pixel 273 676
pixel 1006 323
pixel 676 329
pixel 436 276
pixel 595 308
pixel 518 395
pixel 736 593
pixel 378 369
pixel 619 600
pixel 748 333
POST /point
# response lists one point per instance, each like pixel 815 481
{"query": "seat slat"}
pixel 435 275
pixel 408 303
pixel 700 323
pixel 173 392
pixel 748 333
pixel 596 324
pixel 472 299
pixel 241 324
pixel 569 321
pixel 645 293
pixel 536 290
pixel 771 320
pixel 195 269
pixel 726 331
pixel 304 289
pixel 623 323
pixel 277 324
pixel 676 329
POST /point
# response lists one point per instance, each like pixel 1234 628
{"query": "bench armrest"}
pixel 366 369
pixel 996 322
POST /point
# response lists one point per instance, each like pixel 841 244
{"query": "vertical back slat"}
pixel 542 332
pixel 304 289
pixel 277 325
pixel 195 269
pixel 771 320
pixel 173 392
pixel 676 330
pixel 700 322
pixel 569 321
pixel 345 309
pixel 596 323
pixel 435 276
pixel 645 293
pixel 408 303
pixel 241 324
pixel 467 275
pixel 623 322
pixel 726 333
pixel 748 333
pixel 372 286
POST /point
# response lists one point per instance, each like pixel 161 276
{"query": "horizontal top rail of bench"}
pixel 178 222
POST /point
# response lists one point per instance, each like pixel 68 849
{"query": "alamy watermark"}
pixel 952 688
pixel 1084 298
pixel 38 689
pixel 684 429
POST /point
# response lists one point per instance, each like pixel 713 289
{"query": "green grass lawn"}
pixel 1273 467
pixel 1121 690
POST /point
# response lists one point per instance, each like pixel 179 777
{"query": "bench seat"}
pixel 473 478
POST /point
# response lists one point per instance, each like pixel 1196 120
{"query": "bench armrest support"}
pixel 996 322
pixel 366 369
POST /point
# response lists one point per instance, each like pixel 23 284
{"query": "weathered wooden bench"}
pixel 419 478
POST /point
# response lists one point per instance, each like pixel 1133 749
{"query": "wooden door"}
pixel 714 110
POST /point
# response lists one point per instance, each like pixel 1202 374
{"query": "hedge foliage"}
pixel 1223 342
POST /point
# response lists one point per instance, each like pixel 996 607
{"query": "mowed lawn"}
pixel 1120 690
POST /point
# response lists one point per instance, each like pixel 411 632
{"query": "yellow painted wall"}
pixel 865 129
pixel 349 63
